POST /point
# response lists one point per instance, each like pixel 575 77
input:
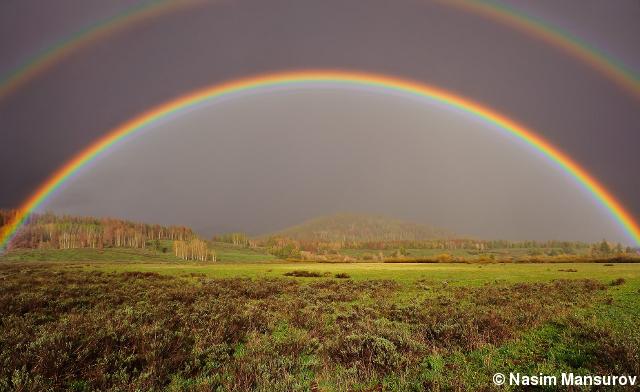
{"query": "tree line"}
pixel 52 231
pixel 194 249
pixel 443 244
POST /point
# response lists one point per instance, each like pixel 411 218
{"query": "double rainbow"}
pixel 323 77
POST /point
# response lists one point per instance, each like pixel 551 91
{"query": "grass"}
pixel 229 253
pixel 86 254
pixel 152 325
pixel 461 274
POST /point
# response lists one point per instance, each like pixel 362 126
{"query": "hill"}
pixel 360 228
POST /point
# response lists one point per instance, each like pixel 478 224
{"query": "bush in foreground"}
pixel 304 274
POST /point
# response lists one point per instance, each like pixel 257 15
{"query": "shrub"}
pixel 444 258
pixel 304 274
pixel 618 282
pixel 342 275
pixel 367 352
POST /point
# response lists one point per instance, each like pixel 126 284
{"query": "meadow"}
pixel 274 325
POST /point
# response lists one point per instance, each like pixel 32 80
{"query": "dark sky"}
pixel 93 90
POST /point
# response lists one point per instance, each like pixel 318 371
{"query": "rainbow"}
pixel 598 60
pixel 54 53
pixel 45 59
pixel 315 78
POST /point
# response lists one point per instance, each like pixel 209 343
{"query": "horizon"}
pixel 358 214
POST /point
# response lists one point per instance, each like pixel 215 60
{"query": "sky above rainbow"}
pixel 55 52
pixel 536 71
pixel 608 65
pixel 291 79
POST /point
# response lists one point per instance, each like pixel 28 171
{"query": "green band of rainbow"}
pixel 386 83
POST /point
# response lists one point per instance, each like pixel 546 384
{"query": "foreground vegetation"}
pixel 294 326
pixel 343 303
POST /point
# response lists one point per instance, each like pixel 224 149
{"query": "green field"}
pixel 229 253
pixel 154 325
pixel 452 273
pixel 255 263
pixel 109 254
pixel 224 253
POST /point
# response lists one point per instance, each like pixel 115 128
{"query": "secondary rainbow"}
pixel 43 60
pixel 606 64
pixel 322 77
pixel 603 63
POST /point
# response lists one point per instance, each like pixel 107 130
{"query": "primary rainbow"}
pixel 589 54
pixel 315 78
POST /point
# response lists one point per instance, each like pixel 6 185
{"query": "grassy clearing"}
pixel 229 253
pixel 86 254
pixel 157 326
pixel 156 251
pixel 456 274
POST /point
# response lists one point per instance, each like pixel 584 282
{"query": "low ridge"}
pixel 361 227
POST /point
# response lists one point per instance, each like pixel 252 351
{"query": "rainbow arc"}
pixel 314 78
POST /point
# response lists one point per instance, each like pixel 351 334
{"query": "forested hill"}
pixel 361 228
